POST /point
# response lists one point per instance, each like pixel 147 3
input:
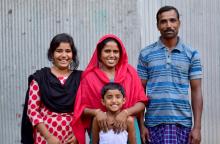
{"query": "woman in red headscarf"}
pixel 109 63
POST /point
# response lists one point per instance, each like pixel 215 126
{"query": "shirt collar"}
pixel 179 46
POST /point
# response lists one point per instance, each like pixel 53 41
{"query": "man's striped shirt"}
pixel 168 75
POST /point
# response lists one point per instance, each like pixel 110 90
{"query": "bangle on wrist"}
pixel 48 136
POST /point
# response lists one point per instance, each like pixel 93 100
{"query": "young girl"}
pixel 113 98
pixel 51 94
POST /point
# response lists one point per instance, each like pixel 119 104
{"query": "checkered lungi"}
pixel 169 134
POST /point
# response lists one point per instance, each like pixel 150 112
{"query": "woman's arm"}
pixel 33 113
pixel 134 110
pixel 90 112
pixel 120 120
pixel 46 134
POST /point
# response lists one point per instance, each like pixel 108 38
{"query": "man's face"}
pixel 168 24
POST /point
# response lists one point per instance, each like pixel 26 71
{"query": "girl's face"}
pixel 110 55
pixel 62 56
pixel 113 100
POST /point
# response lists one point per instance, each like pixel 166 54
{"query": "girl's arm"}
pixel 101 117
pixel 95 131
pixel 131 130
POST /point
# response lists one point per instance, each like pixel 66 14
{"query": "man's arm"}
pixel 143 130
pixel 197 106
pixel 144 82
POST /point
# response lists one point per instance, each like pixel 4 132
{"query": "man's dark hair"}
pixel 112 86
pixel 164 9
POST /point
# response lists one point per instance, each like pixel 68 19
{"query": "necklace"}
pixel 60 73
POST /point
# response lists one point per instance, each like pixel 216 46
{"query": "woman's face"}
pixel 62 56
pixel 110 55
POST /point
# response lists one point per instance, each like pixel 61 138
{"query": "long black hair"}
pixel 55 42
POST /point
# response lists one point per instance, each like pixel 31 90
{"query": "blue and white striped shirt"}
pixel 168 75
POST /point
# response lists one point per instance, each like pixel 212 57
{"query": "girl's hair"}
pixel 112 86
pixel 55 42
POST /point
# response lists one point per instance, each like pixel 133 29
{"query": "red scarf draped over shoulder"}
pixel 93 79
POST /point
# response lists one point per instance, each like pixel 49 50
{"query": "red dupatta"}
pixel 93 79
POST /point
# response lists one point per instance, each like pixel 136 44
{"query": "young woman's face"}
pixel 62 56
pixel 113 100
pixel 110 55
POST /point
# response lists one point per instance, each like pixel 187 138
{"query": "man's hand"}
pixel 195 136
pixel 145 135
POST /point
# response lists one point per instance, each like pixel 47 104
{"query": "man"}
pixel 167 68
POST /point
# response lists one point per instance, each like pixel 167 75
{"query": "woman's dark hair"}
pixel 164 9
pixel 55 42
pixel 101 45
pixel 112 86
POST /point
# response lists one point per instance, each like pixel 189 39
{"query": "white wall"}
pixel 27 26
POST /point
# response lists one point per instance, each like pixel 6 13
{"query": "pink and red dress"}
pixel 49 100
pixel 57 123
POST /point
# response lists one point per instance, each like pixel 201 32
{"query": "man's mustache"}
pixel 169 30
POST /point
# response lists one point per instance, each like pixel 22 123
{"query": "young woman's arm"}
pixel 47 135
pixel 33 113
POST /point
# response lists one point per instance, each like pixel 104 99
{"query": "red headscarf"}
pixel 93 79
